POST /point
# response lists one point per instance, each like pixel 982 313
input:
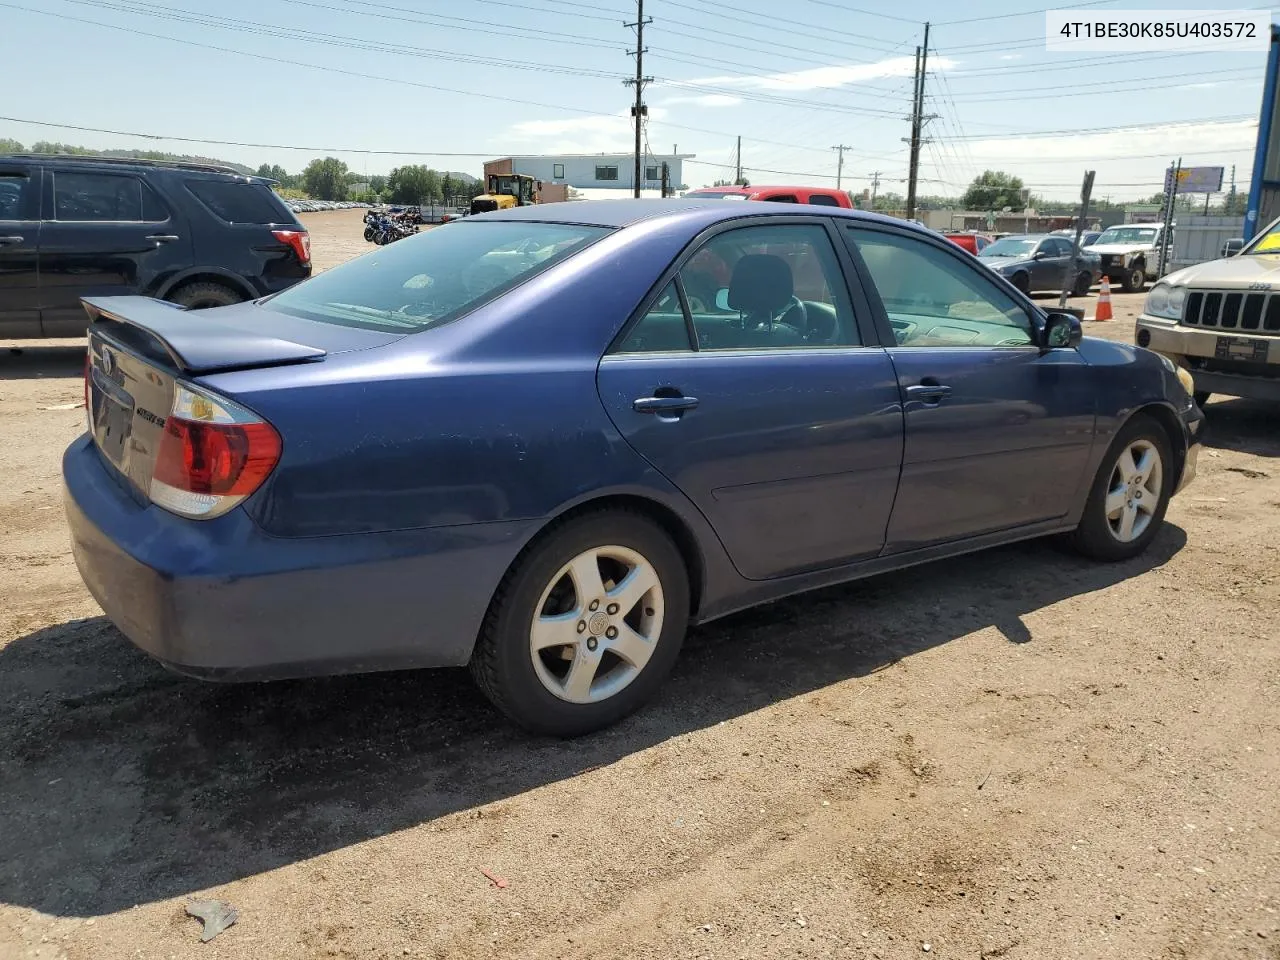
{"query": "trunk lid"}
pixel 140 347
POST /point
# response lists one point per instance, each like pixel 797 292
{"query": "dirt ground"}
pixel 1016 755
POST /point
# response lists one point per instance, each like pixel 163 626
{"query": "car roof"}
pixel 622 213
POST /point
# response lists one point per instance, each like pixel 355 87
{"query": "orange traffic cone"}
pixel 1104 300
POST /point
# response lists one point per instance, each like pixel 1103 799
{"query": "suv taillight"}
pixel 213 454
pixel 299 240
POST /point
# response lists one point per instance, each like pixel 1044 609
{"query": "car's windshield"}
pixel 1011 247
pixel 1268 242
pixel 434 277
pixel 1127 235
pixel 714 195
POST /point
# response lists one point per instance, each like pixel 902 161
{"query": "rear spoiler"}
pixel 197 343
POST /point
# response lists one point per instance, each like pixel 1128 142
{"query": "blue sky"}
pixel 547 77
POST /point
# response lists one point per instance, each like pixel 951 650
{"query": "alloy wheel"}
pixel 1133 494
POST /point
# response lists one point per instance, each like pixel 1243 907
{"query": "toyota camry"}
pixel 544 441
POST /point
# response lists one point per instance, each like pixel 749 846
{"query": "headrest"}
pixel 761 284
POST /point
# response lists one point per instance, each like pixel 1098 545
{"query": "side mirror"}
pixel 1039 255
pixel 1062 330
pixel 722 299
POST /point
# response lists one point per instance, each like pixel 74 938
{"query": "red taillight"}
pixel 213 453
pixel 299 240
pixel 216 459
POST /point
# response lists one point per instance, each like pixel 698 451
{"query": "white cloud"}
pixel 1011 56
pixel 594 134
pixel 707 100
pixel 1198 86
pixel 826 78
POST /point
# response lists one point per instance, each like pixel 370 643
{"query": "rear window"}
pixel 240 202
pixel 714 195
pixel 429 279
pixel 822 200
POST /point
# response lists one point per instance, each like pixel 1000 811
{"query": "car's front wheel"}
pixel 1083 283
pixel 1135 278
pixel 586 625
pixel 1130 493
pixel 1022 281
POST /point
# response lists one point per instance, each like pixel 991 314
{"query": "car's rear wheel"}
pixel 1022 281
pixel 1130 493
pixel 585 626
pixel 201 296
pixel 1083 283
pixel 1135 278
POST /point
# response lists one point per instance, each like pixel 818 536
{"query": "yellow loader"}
pixel 506 190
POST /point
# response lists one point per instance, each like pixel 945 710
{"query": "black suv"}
pixel 199 235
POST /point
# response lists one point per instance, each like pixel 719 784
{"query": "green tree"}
pixel 994 190
pixel 377 183
pixel 326 179
pixel 11 146
pixel 448 187
pixel 414 184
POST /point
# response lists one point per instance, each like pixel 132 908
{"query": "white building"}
pixel 594 171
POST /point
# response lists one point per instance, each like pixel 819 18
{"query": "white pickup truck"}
pixel 1130 254
pixel 1221 321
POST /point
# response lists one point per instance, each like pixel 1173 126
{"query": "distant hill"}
pixel 464 177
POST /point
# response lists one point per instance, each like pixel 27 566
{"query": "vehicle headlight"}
pixel 1166 300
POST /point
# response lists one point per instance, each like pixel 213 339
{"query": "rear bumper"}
pixel 220 599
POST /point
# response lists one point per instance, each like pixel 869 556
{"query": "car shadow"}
pixel 1248 426
pixel 21 362
pixel 124 784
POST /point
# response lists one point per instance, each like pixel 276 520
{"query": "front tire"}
pixel 1130 493
pixel 1135 278
pixel 1023 282
pixel 585 626
pixel 1083 283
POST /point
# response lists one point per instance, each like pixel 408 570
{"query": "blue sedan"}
pixel 545 441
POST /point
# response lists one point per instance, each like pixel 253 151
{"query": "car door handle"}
pixel 4 240
pixel 928 392
pixel 663 405
pixel 163 237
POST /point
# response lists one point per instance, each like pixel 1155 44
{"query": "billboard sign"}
pixel 1195 179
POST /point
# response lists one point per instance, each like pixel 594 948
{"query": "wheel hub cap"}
pixel 598 623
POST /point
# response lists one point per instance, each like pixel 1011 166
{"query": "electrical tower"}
pixel 638 110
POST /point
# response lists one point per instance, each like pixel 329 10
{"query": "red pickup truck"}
pixel 823 196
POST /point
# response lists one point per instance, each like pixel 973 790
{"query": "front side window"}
pixel 606 173
pixel 934 299
pixel 97 197
pixel 768 287
pixel 434 277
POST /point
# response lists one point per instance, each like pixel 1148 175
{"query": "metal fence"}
pixel 1200 239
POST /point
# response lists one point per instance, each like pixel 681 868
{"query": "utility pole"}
pixel 639 111
pixel 737 166
pixel 875 187
pixel 917 123
pixel 840 163
pixel 1231 197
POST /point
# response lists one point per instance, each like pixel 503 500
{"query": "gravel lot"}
pixel 1016 755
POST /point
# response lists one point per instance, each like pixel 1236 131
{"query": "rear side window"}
pixel 782 198
pixel 15 196
pixel 822 200
pixel 435 277
pixel 104 198
pixel 240 202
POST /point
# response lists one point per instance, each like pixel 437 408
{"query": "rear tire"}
pixel 1022 282
pixel 1083 284
pixel 1120 518
pixel 559 656
pixel 201 296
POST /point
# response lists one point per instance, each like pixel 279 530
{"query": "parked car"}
pixel 1034 262
pixel 330 479
pixel 1220 321
pixel 819 196
pixel 1130 254
pixel 975 243
pixel 198 235
pixel 1087 237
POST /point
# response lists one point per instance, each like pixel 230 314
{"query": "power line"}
pixel 1024 13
